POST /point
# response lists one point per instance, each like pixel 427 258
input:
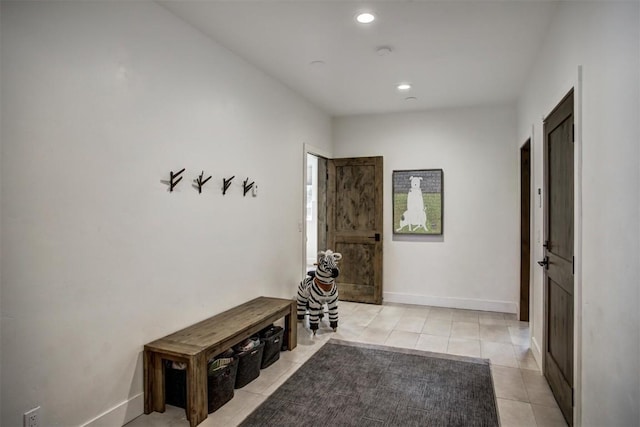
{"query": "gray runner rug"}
pixel 355 384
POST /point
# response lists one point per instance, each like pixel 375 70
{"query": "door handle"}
pixel 544 263
pixel 376 237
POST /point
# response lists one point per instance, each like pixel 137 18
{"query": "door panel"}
pixel 558 131
pixel 560 302
pixel 354 218
pixel 355 280
pixel 560 149
pixel 355 196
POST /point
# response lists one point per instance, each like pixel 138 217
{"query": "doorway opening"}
pixel 342 211
pixel 525 229
pixel 315 208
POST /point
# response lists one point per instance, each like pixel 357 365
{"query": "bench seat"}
pixel 196 344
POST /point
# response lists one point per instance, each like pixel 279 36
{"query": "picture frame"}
pixel 418 201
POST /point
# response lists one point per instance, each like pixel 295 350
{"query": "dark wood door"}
pixel 525 229
pixel 354 218
pixel 559 259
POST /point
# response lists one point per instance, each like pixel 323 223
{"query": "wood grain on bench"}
pixel 198 343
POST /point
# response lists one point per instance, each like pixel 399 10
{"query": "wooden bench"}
pixel 196 344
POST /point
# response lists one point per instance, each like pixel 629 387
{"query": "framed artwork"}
pixel 417 201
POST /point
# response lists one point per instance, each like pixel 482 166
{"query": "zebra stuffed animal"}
pixel 320 289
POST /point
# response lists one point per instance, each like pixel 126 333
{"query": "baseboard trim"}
pixel 537 353
pixel 462 303
pixel 120 414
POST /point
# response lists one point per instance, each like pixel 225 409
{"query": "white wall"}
pixel 604 38
pixel 475 263
pixel 100 100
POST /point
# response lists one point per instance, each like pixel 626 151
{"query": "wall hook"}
pixel 201 182
pixel 246 186
pixel 225 184
pixel 173 181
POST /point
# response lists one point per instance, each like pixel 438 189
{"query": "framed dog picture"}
pixel 417 201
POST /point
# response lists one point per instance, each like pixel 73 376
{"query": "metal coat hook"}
pixel 225 184
pixel 246 186
pixel 201 182
pixel 173 181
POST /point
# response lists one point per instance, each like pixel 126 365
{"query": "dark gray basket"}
pixel 249 365
pixel 175 386
pixel 220 386
pixel 272 338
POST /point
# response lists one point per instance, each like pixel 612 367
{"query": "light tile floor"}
pixel 523 395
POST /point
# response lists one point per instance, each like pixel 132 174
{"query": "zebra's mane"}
pixel 327 259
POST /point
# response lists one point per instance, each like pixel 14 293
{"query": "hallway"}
pixel 524 397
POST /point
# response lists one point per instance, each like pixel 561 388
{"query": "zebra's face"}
pixel 328 264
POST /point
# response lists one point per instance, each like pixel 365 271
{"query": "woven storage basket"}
pixel 272 338
pixel 175 386
pixel 220 386
pixel 249 365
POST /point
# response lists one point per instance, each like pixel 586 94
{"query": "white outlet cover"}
pixel 32 417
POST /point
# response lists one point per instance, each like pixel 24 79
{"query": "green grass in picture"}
pixel 432 202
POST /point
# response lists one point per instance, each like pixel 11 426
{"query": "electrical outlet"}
pixel 32 418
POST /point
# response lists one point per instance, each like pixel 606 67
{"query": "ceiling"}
pixel 454 53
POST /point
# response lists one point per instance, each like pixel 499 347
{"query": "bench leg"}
pixel 291 327
pixel 153 383
pixel 197 408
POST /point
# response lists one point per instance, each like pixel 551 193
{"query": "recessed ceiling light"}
pixel 403 86
pixel 365 18
pixel 383 50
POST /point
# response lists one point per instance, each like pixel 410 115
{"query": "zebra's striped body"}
pixel 314 292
